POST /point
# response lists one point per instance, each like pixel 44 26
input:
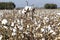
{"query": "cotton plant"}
pixel 42 26
pixel 4 21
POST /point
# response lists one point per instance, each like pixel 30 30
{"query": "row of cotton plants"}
pixel 17 26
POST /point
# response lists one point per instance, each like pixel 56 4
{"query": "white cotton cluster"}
pixel 1 37
pixel 23 11
pixel 4 21
pixel 14 30
pixel 53 32
pixel 21 21
pixel 26 32
pixel 59 23
pixel 13 33
pixel 12 24
pixel 18 20
pixel 19 11
pixel 35 22
pixel 28 7
pixel 46 19
pixel 27 26
pixel 5 27
pixel 49 28
pixel 21 28
pixel 58 13
pixel 42 29
pixel 11 28
pixel 22 35
pixel 38 26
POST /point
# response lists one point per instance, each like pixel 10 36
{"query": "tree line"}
pixel 50 6
pixel 11 5
pixel 7 5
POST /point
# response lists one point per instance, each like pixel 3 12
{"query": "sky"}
pixel 37 3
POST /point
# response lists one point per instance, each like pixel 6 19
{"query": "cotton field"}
pixel 43 24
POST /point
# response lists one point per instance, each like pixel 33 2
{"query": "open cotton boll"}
pixel 59 23
pixel 54 33
pixel 5 27
pixel 42 30
pixel 23 11
pixel 43 38
pixel 27 26
pixel 19 11
pixel 13 33
pixel 58 13
pixel 11 28
pixel 18 20
pixel 35 22
pixel 26 7
pixel 21 28
pixel 51 31
pixel 12 24
pixel 26 32
pixel 14 30
pixel 47 19
pixel 4 21
pixel 15 27
pixel 21 21
pixel 38 27
pixel 1 37
pixel 49 28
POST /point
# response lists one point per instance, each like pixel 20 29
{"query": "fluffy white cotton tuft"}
pixel 1 37
pixel 13 34
pixel 58 13
pixel 42 29
pixel 4 21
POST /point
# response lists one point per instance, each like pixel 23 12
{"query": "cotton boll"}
pixel 14 30
pixel 21 28
pixel 19 11
pixel 5 27
pixel 58 13
pixel 15 27
pixel 49 28
pixel 22 35
pixel 38 27
pixel 13 34
pixel 12 24
pixel 26 32
pixel 42 30
pixel 46 19
pixel 11 28
pixel 4 21
pixel 35 22
pixel 26 7
pixel 43 38
pixel 21 21
pixel 23 11
pixel 54 33
pixel 18 20
pixel 27 26
pixel 51 31
pixel 59 23
pixel 1 37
